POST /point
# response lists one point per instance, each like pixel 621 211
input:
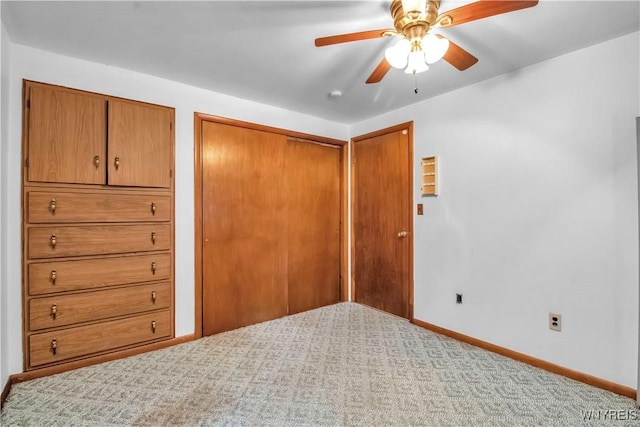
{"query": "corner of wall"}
pixel 4 116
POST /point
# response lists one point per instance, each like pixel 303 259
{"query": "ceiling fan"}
pixel 414 21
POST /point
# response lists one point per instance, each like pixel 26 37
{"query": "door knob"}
pixel 402 234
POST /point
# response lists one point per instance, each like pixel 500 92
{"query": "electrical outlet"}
pixel 555 322
pixel 458 298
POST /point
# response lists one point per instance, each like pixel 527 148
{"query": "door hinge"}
pixel 170 126
pixel 26 163
pixel 170 173
pixel 28 103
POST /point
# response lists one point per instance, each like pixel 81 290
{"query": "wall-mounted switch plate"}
pixel 420 209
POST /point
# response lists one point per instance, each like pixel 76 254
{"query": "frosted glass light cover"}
pixel 396 55
pixel 416 63
pixel 434 48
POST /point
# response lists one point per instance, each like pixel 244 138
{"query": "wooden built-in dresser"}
pixel 98 224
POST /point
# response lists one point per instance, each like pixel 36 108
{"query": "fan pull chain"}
pixel 415 89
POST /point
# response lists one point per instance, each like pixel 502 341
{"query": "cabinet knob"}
pixel 53 241
pixel 153 208
pixel 54 346
pixel 116 162
pixel 153 237
pixel 153 326
pixel 53 276
pixel 96 161
pixel 402 234
pixel 153 267
pixel 54 311
pixel 153 297
pixel 52 206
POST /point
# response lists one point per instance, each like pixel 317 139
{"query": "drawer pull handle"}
pixel 153 267
pixel 153 208
pixel 153 237
pixel 53 276
pixel 54 346
pixel 96 161
pixel 116 162
pixel 53 241
pixel 153 297
pixel 52 206
pixel 153 326
pixel 54 311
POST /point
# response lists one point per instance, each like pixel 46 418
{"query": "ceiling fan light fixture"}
pixel 397 54
pixel 434 48
pixel 416 63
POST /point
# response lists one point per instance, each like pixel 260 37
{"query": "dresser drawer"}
pixel 68 241
pixel 61 207
pixel 63 276
pixel 64 310
pixel 57 346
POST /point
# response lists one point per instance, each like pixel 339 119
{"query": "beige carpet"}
pixel 342 365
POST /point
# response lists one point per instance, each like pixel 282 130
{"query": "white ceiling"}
pixel 264 50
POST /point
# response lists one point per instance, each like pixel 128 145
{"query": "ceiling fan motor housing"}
pixel 413 24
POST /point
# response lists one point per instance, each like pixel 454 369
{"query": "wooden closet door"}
pixel 313 198
pixel 67 136
pixel 244 227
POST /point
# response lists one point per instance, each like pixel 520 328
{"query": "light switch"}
pixel 420 209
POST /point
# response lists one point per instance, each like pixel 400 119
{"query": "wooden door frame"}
pixel 409 207
pixel 199 119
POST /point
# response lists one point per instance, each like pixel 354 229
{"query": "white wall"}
pixel 4 77
pixel 538 209
pixel 33 64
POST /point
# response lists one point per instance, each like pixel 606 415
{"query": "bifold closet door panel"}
pixel 313 196
pixel 244 227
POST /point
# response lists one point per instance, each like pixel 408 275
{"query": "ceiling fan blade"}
pixel 481 9
pixel 457 56
pixel 381 70
pixel 351 37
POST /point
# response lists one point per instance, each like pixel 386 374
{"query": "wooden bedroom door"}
pixel 313 199
pixel 244 221
pixel 382 222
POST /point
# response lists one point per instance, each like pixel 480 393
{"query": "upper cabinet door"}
pixel 67 138
pixel 140 144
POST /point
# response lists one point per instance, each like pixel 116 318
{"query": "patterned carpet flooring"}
pixel 342 365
